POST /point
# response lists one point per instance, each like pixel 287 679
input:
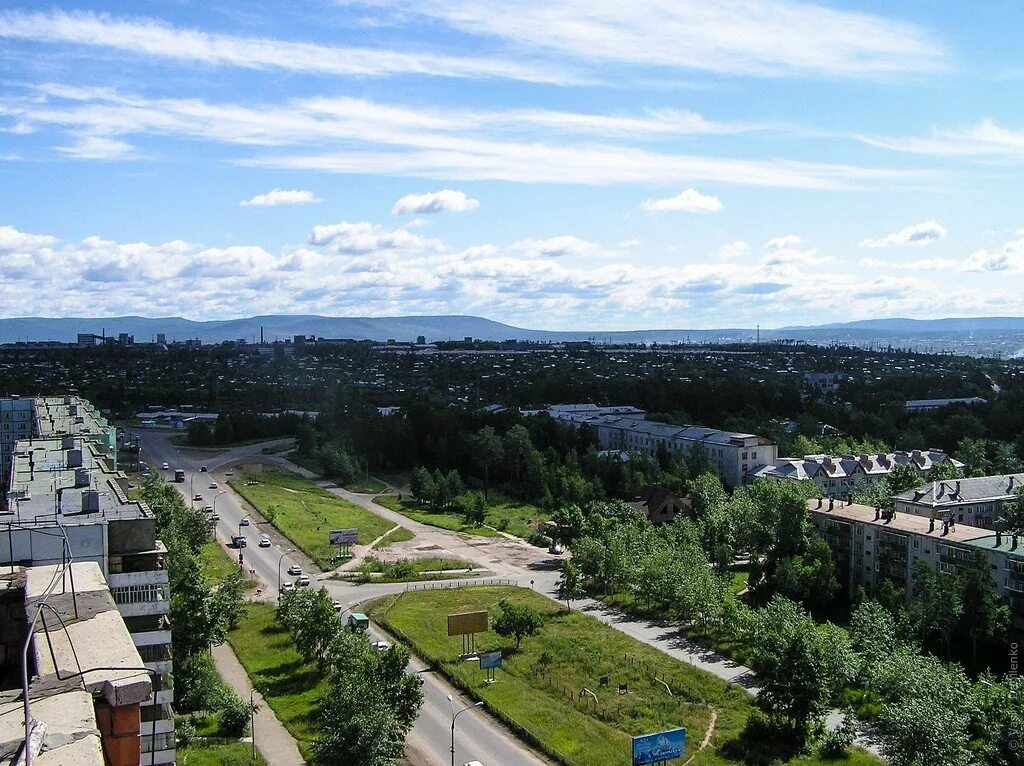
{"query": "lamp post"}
pixel 279 562
pixel 191 490
pixel 456 715
pixel 222 492
pixel 252 722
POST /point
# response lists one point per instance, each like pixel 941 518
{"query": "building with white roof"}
pixel 977 501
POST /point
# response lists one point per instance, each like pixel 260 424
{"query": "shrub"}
pixel 234 715
pixel 540 540
pixel 186 733
pixel 835 742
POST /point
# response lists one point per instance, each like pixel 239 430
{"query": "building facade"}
pixel 842 476
pixel 977 501
pixel 871 546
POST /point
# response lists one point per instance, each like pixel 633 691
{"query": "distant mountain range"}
pixel 942 333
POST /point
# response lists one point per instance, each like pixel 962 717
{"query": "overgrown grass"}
pixel 538 689
pixel 454 522
pixel 409 570
pixel 400 535
pixel 218 754
pixel 289 685
pixel 218 564
pixel 363 485
pixel 305 513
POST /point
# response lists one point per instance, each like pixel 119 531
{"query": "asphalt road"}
pixel 478 736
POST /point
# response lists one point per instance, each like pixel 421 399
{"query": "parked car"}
pixel 287 587
pixel 294 569
pixel 264 542
pixel 338 606
pixel 229 473
pixel 244 522
pixel 165 466
pixel 381 646
pixel 556 549
pixel 303 581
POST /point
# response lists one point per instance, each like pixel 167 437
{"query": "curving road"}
pixel 478 736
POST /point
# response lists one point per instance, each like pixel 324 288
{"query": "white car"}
pixel 294 569
pixel 213 485
pixel 214 517
pixel 264 542
pixel 287 587
pixel 381 646
pixel 165 466
pixel 229 473
pixel 207 509
pixel 303 581
pixel 473 763
pixel 244 522
pixel 338 606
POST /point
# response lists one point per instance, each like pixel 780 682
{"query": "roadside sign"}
pixel 490 660
pixel 467 622
pixel 659 747
pixel 344 536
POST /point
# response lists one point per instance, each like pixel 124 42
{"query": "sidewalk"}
pixel 272 739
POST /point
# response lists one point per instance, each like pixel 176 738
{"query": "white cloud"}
pixel 918 234
pixel 920 264
pixel 444 201
pixel 12 240
pixel 359 136
pixel 687 201
pixel 787 242
pixel 983 139
pixel 276 197
pixel 1009 257
pixel 732 251
pixel 554 247
pixel 91 147
pixel 154 39
pixel 366 237
pixel 770 37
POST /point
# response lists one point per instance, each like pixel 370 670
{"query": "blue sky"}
pixel 559 163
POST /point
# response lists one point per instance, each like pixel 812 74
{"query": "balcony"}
pixel 151 637
pixel 146 577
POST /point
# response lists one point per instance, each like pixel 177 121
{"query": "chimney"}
pixel 81 477
pixel 831 502
pixel 849 499
pixel 1010 487
pixel 942 489
pixel 819 502
pixel 957 486
pixel 90 501
pixel 1014 546
pixel 73 458
pixel 878 513
pixel 999 538
pixel 67 442
pixel 931 524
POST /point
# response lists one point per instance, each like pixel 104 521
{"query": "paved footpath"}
pixel 272 739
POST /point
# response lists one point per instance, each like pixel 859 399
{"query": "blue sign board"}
pixel 655 748
pixel 490 660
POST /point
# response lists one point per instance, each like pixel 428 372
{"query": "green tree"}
pixel 518 620
pixel 937 606
pixel 1012 516
pixel 570 584
pixel 985 616
pixel 706 494
pixel 488 452
pixel 973 453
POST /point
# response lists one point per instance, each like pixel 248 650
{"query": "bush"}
pixel 234 715
pixel 186 732
pixel 402 569
pixel 540 540
pixel 835 742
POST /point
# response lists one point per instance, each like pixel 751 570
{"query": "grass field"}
pixel 218 564
pixel 289 686
pixel 408 570
pixel 218 754
pixel 538 687
pixel 364 486
pixel 515 518
pixel 305 513
pixel 400 535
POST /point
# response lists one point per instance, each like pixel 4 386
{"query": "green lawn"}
pixel 218 564
pixel 571 652
pixel 365 486
pixel 218 754
pixel 305 513
pixel 412 508
pixel 408 570
pixel 290 686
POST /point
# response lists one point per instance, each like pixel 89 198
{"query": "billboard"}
pixel 467 622
pixel 490 660
pixel 344 536
pixel 662 746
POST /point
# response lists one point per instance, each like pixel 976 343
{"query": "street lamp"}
pixel 191 490
pixel 279 561
pixel 456 715
pixel 252 724
pixel 222 492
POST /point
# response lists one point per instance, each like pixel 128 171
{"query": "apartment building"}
pixel 626 429
pixel 872 545
pixel 82 698
pixel 17 421
pixel 842 476
pixel 977 501
pixel 66 501
pixel 928 405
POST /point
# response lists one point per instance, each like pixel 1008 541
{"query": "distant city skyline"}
pixel 561 165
